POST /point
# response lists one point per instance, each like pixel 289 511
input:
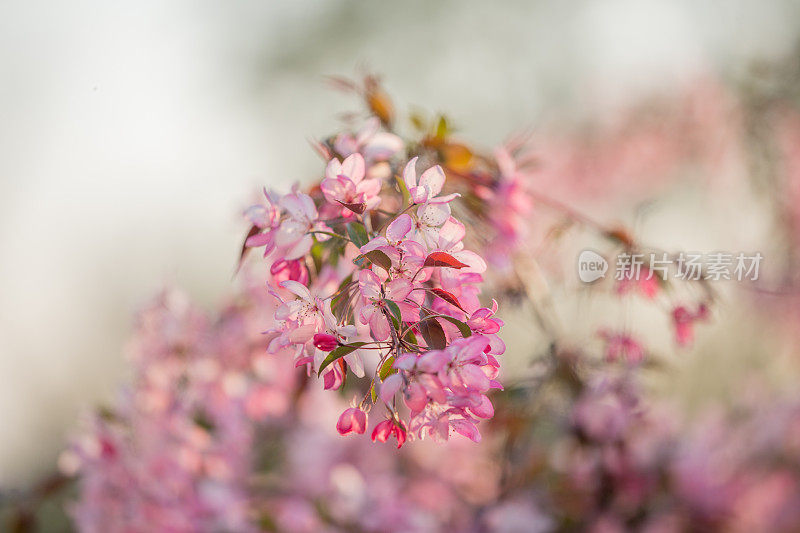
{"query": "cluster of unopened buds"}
pixel 373 281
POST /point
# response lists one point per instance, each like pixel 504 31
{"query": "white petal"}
pixel 433 179
pixel 297 288
pixel 410 173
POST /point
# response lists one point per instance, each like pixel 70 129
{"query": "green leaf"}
pixel 395 310
pixel 386 368
pixel 357 233
pixel 462 327
pixel 401 183
pixel 379 258
pixel 337 353
pixel 316 255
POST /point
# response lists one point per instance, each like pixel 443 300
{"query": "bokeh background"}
pixel 133 133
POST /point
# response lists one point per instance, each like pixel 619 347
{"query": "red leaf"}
pixel 433 333
pixel 448 297
pixel 355 208
pixel 443 259
pixel 253 231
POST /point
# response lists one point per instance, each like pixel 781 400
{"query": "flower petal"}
pixel 390 386
pixel 399 228
pixel 433 180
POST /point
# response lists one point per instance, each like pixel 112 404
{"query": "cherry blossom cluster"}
pixel 373 289
pixel 372 280
pixel 173 453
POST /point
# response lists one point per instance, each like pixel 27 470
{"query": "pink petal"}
pixel 419 195
pixel 405 361
pixel 452 233
pixel 433 215
pixel 309 209
pixel 336 189
pixel 301 248
pixel 374 244
pixel 303 334
pixel 398 289
pixel 399 228
pixel 354 363
pixel 382 431
pixel 390 386
pixel 410 173
pixel 289 232
pixel 474 378
pixel 369 188
pixel 382 146
pixel 434 387
pixel 433 180
pixel 352 420
pixel 353 167
pixel 366 312
pixel 257 214
pixel 379 326
pixel 259 239
pixel 333 169
pixel 297 288
pixel 416 397
pixel 466 428
pixel 444 199
pixel 485 409
pixel 433 361
pixel 475 262
pixel 369 284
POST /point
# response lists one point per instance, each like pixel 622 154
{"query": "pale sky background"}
pixel 132 134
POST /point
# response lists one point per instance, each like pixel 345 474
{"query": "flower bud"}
pixel 325 342
pixel 352 419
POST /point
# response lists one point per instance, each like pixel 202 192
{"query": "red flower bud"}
pixel 352 419
pixel 325 342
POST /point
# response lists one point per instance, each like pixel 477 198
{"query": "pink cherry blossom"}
pixel 398 230
pixel 374 294
pixel 292 237
pixel 393 285
pixel 483 321
pixel 430 218
pixel 344 184
pixel 264 217
pixel 430 184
